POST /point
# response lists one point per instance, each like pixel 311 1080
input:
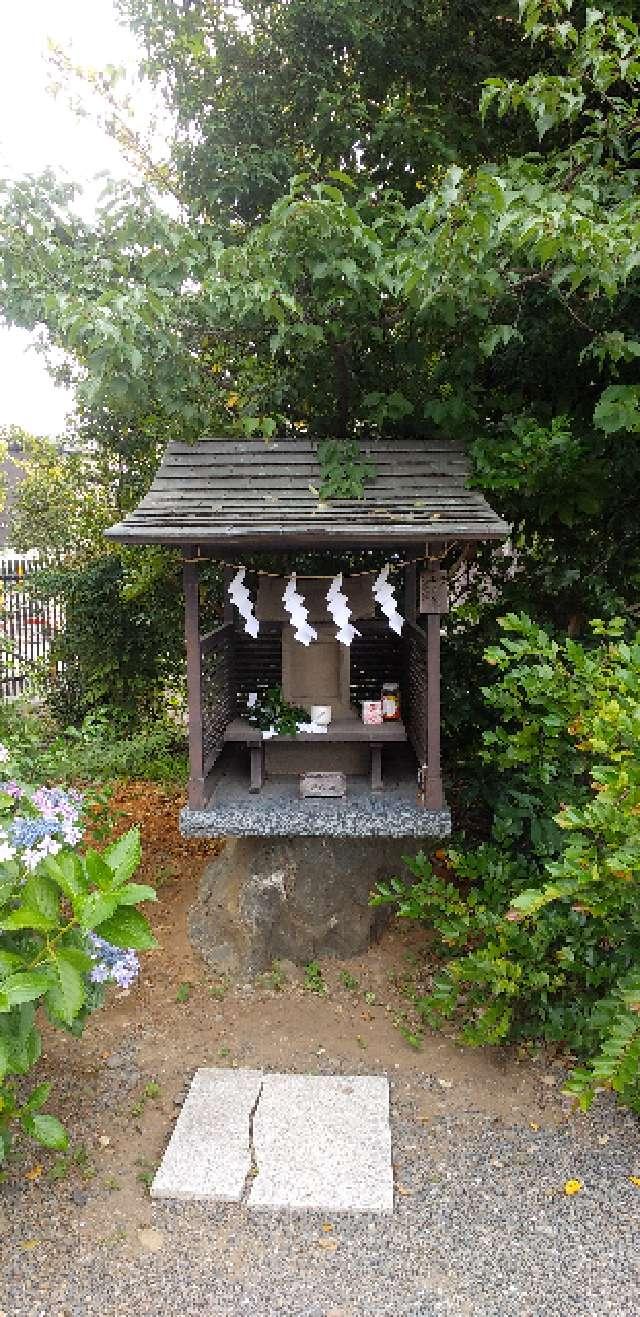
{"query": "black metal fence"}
pixel 28 623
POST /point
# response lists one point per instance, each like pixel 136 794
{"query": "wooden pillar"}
pixel 434 798
pixel 191 575
pixel 434 596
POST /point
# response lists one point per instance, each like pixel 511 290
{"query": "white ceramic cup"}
pixel 321 714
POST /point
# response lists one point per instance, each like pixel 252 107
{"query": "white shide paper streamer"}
pixel 242 599
pixel 384 595
pixel 298 614
pixel 338 606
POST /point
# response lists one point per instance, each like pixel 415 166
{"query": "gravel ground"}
pixel 482 1226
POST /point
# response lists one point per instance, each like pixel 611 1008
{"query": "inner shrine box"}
pixel 319 673
pixel 230 501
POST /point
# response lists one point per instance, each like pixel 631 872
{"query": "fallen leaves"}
pixel 327 1242
pixel 572 1187
pixel 155 809
pixel 328 1245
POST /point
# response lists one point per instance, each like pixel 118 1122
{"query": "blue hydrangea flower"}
pixel 55 803
pixel 26 833
pixel 112 964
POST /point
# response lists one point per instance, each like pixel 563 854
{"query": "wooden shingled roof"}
pixel 249 493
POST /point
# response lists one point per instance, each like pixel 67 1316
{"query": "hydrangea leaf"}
pixel 128 929
pixel 42 894
pixel 132 893
pixel 124 855
pixel 68 998
pixel 25 917
pixel 19 988
pixel 97 871
pixel 66 872
pixel 96 907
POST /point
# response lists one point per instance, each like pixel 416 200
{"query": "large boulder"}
pixel 290 898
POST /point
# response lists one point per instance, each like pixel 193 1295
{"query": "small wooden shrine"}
pixel 329 643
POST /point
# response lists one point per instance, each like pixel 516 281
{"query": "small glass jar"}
pixel 390 701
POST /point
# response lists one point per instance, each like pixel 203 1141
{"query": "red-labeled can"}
pixel 390 701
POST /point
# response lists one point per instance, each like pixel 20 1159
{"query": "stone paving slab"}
pixel 323 1142
pixel 209 1153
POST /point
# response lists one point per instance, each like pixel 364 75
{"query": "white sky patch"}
pixel 39 132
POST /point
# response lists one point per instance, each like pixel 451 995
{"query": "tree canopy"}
pixel 389 219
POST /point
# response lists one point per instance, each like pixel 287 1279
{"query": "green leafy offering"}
pixel 273 711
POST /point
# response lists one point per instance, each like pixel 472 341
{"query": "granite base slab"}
pixel 281 814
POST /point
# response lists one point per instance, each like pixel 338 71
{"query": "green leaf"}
pixel 66 872
pixel 27 918
pixel 7 886
pixel 21 1038
pixel 132 893
pixel 340 177
pixel 71 993
pixel 498 336
pixel 47 1130
pixel 38 1098
pixel 19 988
pixel 618 409
pixel 333 193
pixel 128 929
pixel 5 1058
pixel 528 901
pixel 9 961
pixel 98 871
pixel 124 855
pixel 96 907
pixel 75 955
pixel 41 893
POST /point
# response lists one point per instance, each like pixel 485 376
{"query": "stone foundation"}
pixel 291 898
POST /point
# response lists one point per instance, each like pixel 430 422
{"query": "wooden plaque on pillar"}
pixel 434 592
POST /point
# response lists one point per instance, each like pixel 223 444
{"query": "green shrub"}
pixel 103 749
pixel 121 641
pixel 538 928
pixel 69 926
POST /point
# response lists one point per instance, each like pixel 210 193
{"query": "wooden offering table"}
pixel 341 732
